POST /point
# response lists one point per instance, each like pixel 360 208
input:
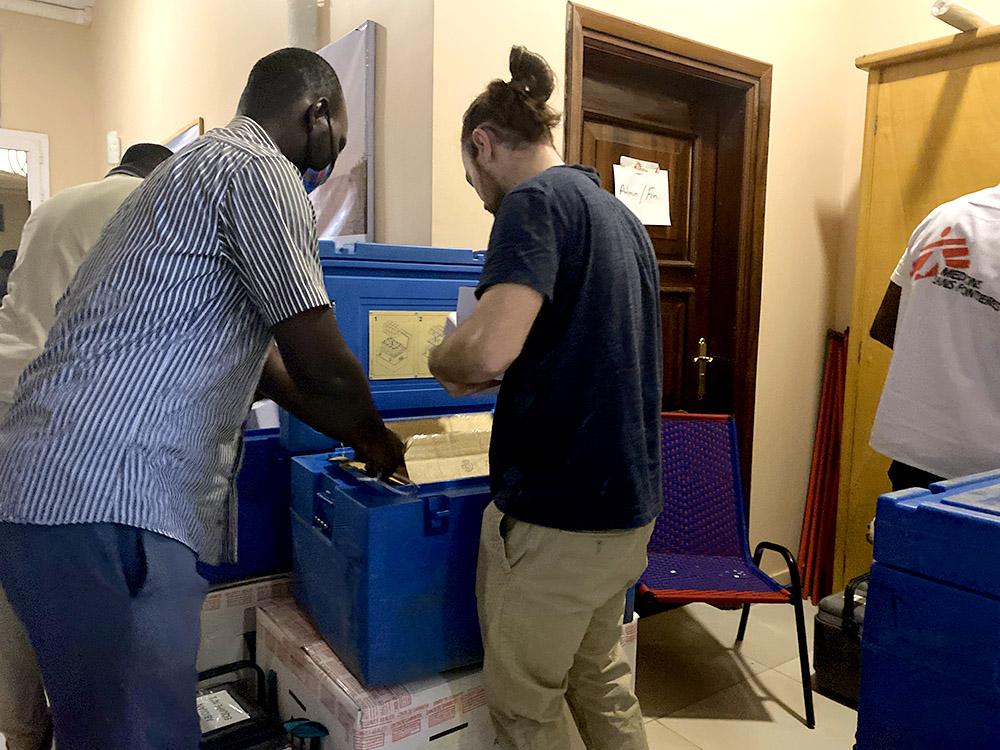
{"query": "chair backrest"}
pixel 703 510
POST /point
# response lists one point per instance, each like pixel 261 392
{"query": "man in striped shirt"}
pixel 118 457
pixel 56 238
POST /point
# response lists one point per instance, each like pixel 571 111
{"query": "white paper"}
pixel 646 193
pixel 263 415
pixel 466 303
pixel 219 709
pixel 631 161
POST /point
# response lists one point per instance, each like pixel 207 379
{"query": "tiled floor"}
pixel 697 691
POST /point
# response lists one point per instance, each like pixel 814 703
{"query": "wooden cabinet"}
pixel 932 134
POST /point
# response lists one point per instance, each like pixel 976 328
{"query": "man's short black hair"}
pixel 143 158
pixel 284 77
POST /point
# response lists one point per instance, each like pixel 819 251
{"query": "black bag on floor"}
pixel 837 642
pixel 238 714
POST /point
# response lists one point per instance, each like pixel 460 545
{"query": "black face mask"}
pixel 313 178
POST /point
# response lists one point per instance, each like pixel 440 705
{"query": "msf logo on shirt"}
pixel 950 251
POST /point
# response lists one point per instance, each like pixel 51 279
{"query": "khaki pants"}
pixel 550 608
pixel 24 715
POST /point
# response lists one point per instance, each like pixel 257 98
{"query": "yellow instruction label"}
pixel 400 342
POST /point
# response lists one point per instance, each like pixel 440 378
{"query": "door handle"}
pixel 703 361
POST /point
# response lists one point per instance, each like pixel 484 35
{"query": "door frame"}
pixel 37 147
pixel 753 79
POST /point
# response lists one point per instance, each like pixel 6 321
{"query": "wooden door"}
pixel 642 110
pixel 702 114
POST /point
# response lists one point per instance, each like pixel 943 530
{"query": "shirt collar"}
pixel 126 171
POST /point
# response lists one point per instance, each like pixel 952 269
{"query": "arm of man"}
pixel 883 327
pixel 271 241
pixel 520 274
pixel 313 374
pixel 484 346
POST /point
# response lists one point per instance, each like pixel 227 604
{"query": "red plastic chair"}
pixel 700 550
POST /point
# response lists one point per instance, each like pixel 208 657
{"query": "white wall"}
pixel 47 85
pixel 160 65
pixel 403 112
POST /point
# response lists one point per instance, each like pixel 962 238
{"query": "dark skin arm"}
pixel 883 327
pixel 313 374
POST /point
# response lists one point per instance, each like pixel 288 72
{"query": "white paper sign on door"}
pixel 645 191
pixel 631 161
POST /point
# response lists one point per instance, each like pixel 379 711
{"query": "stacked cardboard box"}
pixel 448 710
pixel 228 619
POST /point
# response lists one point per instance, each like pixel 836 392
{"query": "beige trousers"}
pixel 550 608
pixel 24 714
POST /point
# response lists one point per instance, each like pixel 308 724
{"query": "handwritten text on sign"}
pixel 646 193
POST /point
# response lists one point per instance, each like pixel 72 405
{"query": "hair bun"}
pixel 531 75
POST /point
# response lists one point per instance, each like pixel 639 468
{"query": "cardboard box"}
pixel 442 449
pixel 447 712
pixel 229 615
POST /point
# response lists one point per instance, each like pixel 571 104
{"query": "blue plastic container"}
pixel 930 673
pixel 952 537
pixel 387 572
pixel 264 543
pixel 929 664
pixel 952 485
pixel 365 277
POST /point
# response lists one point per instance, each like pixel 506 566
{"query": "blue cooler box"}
pixel 264 540
pixel 387 571
pixel 364 278
pixel 930 671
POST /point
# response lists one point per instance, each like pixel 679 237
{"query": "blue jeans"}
pixel 113 613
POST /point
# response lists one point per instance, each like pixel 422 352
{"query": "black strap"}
pixel 850 625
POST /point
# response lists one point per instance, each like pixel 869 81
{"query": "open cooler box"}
pixel 386 570
pixel 391 302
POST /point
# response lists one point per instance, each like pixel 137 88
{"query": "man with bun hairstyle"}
pixel 569 318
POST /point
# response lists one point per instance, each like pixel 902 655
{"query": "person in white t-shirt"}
pixel 939 416
pixel 54 242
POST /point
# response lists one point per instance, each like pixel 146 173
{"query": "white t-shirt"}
pixel 54 242
pixel 940 408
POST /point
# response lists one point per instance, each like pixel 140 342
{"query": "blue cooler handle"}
pixel 360 478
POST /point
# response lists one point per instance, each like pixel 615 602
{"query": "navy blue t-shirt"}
pixel 576 435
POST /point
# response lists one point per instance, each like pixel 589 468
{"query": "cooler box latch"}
pixel 437 514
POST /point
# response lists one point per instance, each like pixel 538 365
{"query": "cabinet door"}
pixel 931 136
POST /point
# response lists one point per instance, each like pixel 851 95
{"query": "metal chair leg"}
pixel 800 630
pixel 743 623
pixel 795 592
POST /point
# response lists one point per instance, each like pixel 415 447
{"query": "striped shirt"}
pixel 133 412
